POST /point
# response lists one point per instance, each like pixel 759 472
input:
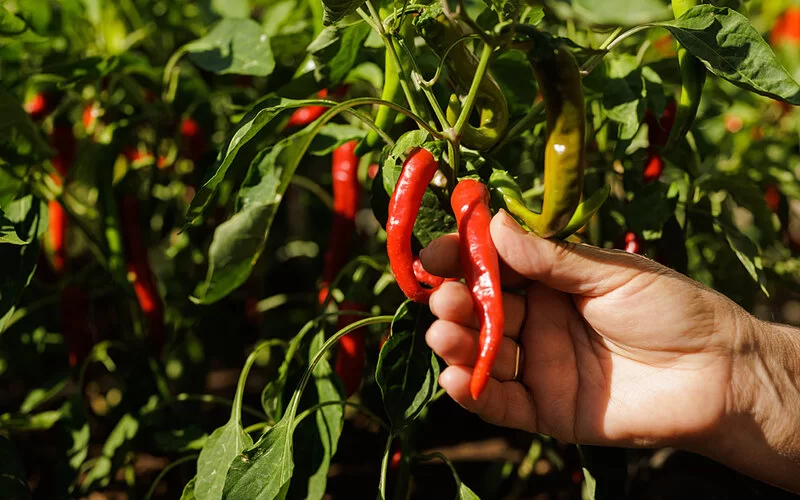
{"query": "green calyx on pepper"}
pixel 443 34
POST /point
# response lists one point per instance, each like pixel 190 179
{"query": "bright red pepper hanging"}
pixel 481 269
pixel 63 141
pixel 418 171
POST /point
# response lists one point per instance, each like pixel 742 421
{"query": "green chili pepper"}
pixel 560 85
pixel 693 76
pixel 392 90
pixel 507 194
pixel 441 34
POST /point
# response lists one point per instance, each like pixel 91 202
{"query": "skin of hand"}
pixel 618 350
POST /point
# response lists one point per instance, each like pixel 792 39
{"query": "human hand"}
pixel 616 349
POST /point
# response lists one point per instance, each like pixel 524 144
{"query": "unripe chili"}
pixel 418 171
pixel 441 34
pixel 560 84
pixel 693 77
pixel 392 91
pixel 481 269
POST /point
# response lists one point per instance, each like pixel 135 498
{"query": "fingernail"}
pixel 509 222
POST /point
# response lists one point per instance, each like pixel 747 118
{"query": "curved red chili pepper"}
pixel 307 114
pixel 139 272
pixel 481 269
pixel 654 166
pixel 63 141
pixel 425 277
pixel 418 171
pixel 38 106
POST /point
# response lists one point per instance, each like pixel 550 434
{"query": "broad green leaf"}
pixel 747 252
pixel 263 471
pixel 234 250
pixel 13 481
pixel 407 370
pixel 612 12
pixel 258 122
pixel 13 28
pixel 18 262
pixel 212 465
pixel 225 443
pixel 36 422
pixel 335 50
pixel 731 48
pixel 188 490
pixel 318 435
pixel 237 46
pixel 465 493
pixel 649 210
pixel 337 9
pixel 623 98
pixel 188 438
pixel 232 9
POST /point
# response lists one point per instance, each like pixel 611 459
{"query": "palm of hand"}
pixel 618 368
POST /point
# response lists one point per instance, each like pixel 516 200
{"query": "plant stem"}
pixel 469 102
pixel 387 40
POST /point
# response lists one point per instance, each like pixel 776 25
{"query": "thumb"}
pixel 569 267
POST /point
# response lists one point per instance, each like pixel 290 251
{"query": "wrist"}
pixel 759 433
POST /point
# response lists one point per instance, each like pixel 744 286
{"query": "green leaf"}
pixel 40 395
pixel 188 490
pixel 264 470
pixel 335 50
pixel 337 9
pixel 234 250
pixel 225 443
pixel 333 135
pixel 237 46
pixel 747 252
pixel 649 210
pixel 212 465
pixel 232 9
pixel 624 92
pixel 731 48
pixel 612 12
pixel 318 437
pixel 407 370
pixel 12 28
pixel 465 493
pixel 13 481
pixel 18 262
pixel 608 471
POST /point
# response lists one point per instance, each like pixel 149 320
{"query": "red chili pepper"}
pixel 63 141
pixel 350 351
pixel 425 277
pixel 89 117
pixel 194 141
pixel 657 134
pixel 633 244
pixel 654 166
pixel 139 272
pixel 418 171
pixel 481 268
pixel 37 106
pixel 307 114
pixel 346 194
pixel 787 29
pixel 772 197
